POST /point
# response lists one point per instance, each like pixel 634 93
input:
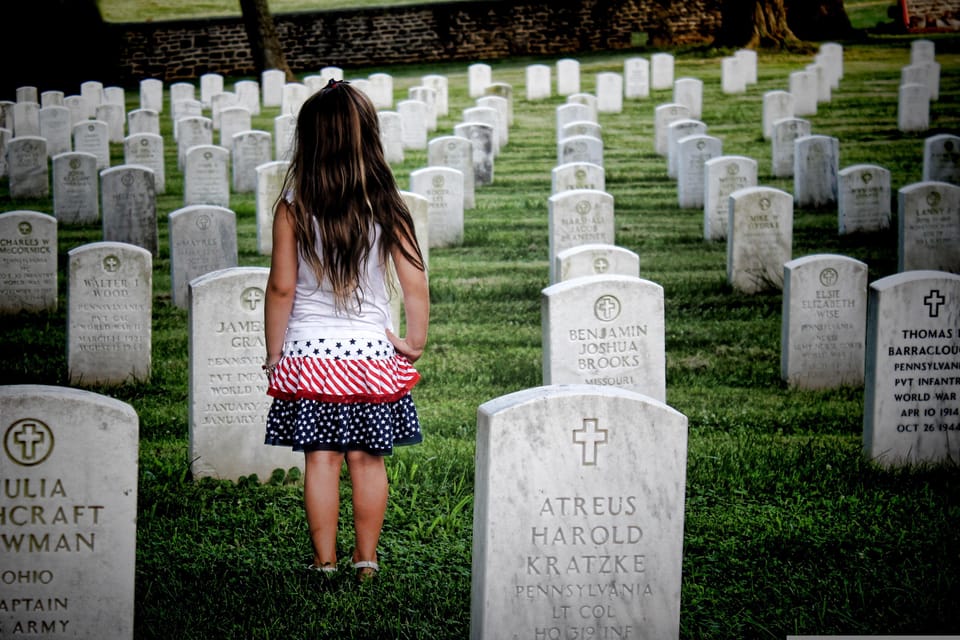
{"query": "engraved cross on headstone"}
pixel 589 436
pixel 933 300
pixel 28 436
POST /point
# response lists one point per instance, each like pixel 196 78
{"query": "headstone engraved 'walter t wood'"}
pixel 578 515
pixel 69 505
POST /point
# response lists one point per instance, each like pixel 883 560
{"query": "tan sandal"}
pixel 327 567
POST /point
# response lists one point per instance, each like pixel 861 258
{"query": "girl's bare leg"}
pixel 321 498
pixel 368 475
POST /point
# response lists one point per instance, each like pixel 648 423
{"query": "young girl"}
pixel 339 376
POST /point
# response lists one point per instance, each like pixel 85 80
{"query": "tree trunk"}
pixel 264 41
pixel 754 24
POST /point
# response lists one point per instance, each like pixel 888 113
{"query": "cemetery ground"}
pixel 788 529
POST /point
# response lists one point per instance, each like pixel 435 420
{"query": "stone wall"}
pixel 457 31
pixel 925 16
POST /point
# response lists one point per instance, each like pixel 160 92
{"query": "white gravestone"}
pixel 577 175
pixel 785 132
pixel 748 63
pixel 27 167
pixel 428 96
pixel 187 109
pixel 488 116
pixel 151 94
pixel 776 106
pixel 581 128
pixel 248 150
pixel 181 91
pixel 419 208
pixel 109 307
pixel 381 90
pixel 69 466
pixel 538 82
pixel 192 131
pixel 55 127
pixel 292 98
pixel 271 85
pixel 912 389
pixel 206 176
pixel 578 515
pixel 803 86
pixel 675 131
pixel 693 152
pixel 759 238
pixel 733 78
pixel 500 90
pixel 480 136
pixel 435 81
pixel 228 399
pixel 91 136
pixel 146 149
pixel 823 324
pixel 391 136
pixel 571 112
pixel 588 100
pixel 864 199
pixel 941 158
pixel 28 262
pixel 210 85
pixel 479 75
pixel 636 78
pixel 51 98
pixel 663 116
pixel 443 189
pixel 578 216
pixel 143 121
pixel 661 71
pixel 929 227
pixel 248 95
pixel 455 152
pixel 913 108
pixel 92 93
pixel 722 176
pixel 568 76
pixel 609 92
pixel 115 116
pixel 270 177
pixel 596 260
pixel 502 107
pixel 203 238
pixel 816 161
pixel 580 149
pixel 831 57
pixel 605 330
pixel 413 118
pixel 26 119
pixel 76 188
pixel 284 129
pixel 689 92
pixel 129 202
pixel 233 119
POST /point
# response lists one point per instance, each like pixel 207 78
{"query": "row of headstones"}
pixel 580 524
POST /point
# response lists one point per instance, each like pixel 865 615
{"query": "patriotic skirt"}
pixel 333 394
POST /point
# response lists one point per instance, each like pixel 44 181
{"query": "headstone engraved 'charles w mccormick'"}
pixel 68 513
pixel 578 515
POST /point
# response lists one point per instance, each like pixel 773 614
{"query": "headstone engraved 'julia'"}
pixel 69 469
pixel 605 330
pixel 28 262
pixel 912 388
pixel 578 515
pixel 228 390
pixel 823 324
pixel 109 306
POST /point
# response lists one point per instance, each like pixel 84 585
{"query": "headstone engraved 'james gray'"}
pixel 823 324
pixel 69 505
pixel 912 389
pixel 228 390
pixel 28 262
pixel 109 310
pixel 605 330
pixel 578 515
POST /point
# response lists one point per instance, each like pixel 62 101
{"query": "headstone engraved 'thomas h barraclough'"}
pixel 578 516
pixel 68 472
pixel 912 389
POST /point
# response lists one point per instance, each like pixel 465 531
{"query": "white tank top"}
pixel 314 314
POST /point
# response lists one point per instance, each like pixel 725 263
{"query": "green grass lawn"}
pixel 788 529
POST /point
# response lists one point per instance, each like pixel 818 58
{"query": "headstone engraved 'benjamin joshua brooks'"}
pixel 68 503
pixel 578 516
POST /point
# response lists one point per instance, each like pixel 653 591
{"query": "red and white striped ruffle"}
pixel 343 379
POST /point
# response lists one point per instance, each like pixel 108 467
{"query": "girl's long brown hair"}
pixel 340 181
